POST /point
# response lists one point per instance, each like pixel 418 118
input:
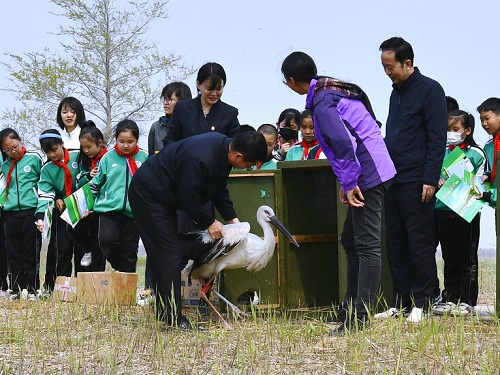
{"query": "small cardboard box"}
pixel 107 288
pixel 190 294
pixel 65 288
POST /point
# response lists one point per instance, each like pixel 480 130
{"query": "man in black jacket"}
pixel 185 176
pixel 416 140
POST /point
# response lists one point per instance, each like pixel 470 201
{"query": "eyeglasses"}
pixel 10 149
pixel 168 100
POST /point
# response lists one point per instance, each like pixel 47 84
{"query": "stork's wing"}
pixel 234 234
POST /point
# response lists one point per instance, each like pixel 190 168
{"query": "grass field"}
pixel 50 337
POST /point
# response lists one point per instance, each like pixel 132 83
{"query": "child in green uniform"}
pixel 84 234
pixel 22 171
pixel 489 112
pixel 118 235
pixel 459 239
pixel 308 148
pixel 57 181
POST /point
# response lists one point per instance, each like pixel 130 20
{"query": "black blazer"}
pixel 188 120
pixel 188 174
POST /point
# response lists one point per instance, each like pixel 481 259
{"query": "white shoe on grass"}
pixel 444 308
pixel 86 260
pixel 392 312
pixel 416 315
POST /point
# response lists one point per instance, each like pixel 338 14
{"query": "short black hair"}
pixel 91 132
pixel 451 104
pixel 252 145
pixel 299 66
pixel 74 104
pixel 268 129
pixel 126 125
pixel 246 128
pixel 490 104
pixel 180 89
pixel 402 49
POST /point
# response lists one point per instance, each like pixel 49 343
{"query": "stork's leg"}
pixel 203 294
pixel 235 308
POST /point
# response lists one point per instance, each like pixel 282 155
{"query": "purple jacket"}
pixel 350 139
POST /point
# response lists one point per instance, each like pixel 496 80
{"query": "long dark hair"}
pixel 76 106
pixel 8 133
pixel 467 121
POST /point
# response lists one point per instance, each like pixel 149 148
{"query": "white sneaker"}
pixel 32 297
pixel 444 308
pixel 392 312
pixel 463 309
pixel 416 315
pixel 86 260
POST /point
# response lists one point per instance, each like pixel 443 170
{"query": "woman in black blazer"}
pixel 205 113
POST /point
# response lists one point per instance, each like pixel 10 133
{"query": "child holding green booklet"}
pixel 489 112
pixel 459 239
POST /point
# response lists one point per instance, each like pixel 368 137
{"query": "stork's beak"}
pixel 278 224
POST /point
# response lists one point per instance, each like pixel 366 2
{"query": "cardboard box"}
pixel 65 288
pixel 190 294
pixel 107 288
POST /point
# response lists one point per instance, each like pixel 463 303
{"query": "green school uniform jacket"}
pixel 110 185
pixel 51 184
pixel 478 159
pixel 23 185
pixel 489 150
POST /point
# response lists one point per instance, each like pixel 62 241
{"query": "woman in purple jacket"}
pixel 348 134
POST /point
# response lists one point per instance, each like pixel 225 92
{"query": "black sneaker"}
pixel 350 326
pixel 339 315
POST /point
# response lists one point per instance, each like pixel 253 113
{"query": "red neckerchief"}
pixel 9 174
pixel 496 148
pixel 95 160
pixel 307 146
pixel 461 146
pixel 68 178
pixel 132 167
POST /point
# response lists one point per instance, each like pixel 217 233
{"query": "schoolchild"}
pixel 288 132
pixel 270 133
pixel 22 240
pixel 84 234
pixel 351 140
pixel 308 148
pixel 57 181
pixel 489 112
pixel 70 115
pixel 459 239
pixel 118 235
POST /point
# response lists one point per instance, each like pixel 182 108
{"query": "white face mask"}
pixel 454 138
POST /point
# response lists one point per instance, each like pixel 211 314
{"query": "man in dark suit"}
pixel 186 176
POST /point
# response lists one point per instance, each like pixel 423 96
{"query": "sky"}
pixel 455 42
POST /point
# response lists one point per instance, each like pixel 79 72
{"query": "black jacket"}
pixel 188 174
pixel 416 129
pixel 188 120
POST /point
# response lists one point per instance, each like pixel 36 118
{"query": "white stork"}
pixel 237 249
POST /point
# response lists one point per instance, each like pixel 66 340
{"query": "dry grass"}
pixel 50 337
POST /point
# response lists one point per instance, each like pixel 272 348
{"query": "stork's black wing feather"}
pixel 217 250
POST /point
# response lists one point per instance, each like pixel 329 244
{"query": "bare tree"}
pixel 107 63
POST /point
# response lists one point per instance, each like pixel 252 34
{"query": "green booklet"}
pixel 460 197
pixel 77 204
pixel 452 158
pixel 47 227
